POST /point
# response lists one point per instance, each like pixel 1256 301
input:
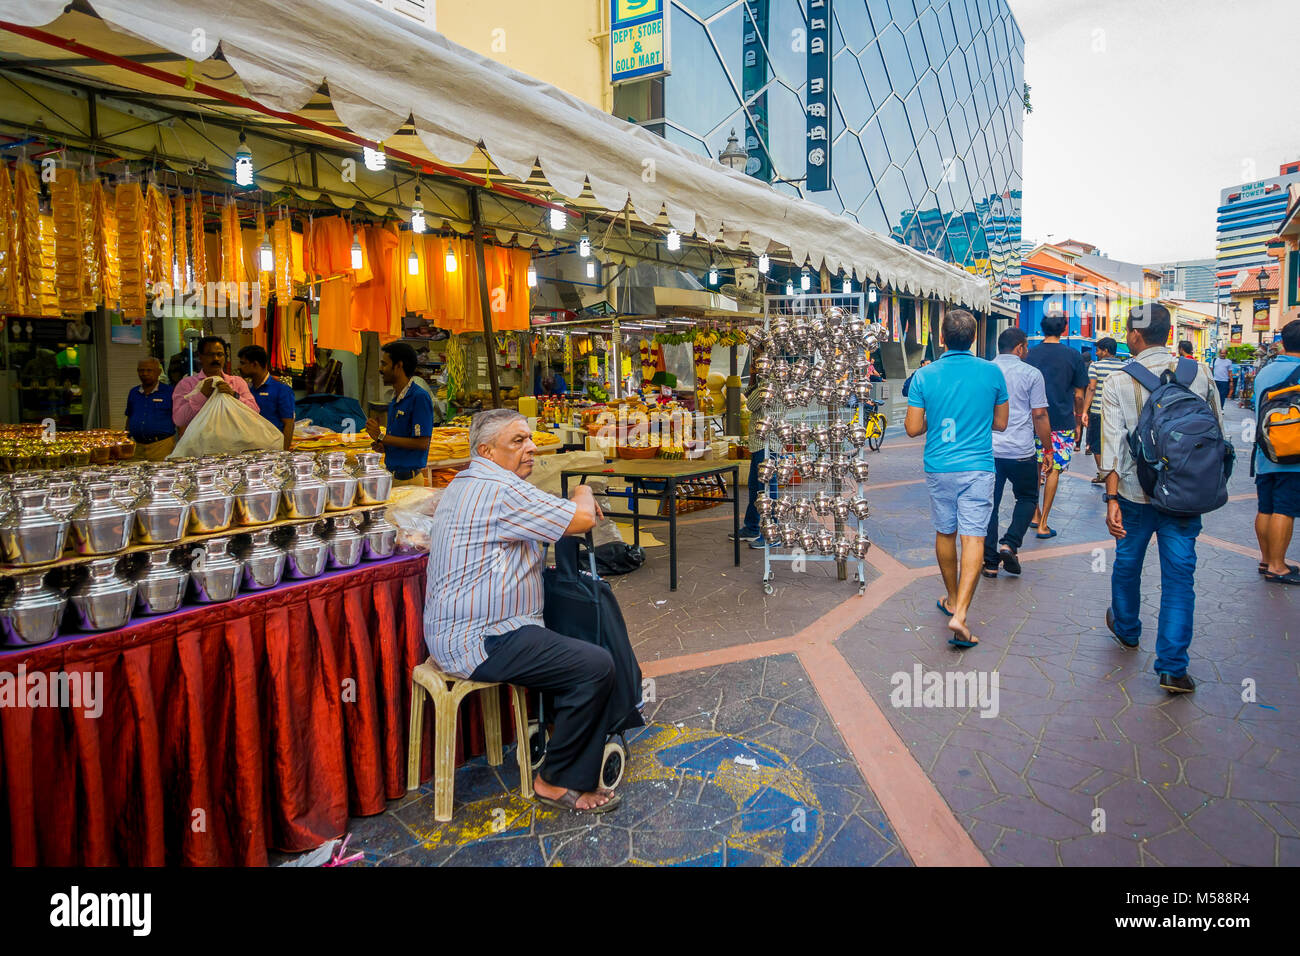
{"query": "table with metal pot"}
pixel 90 549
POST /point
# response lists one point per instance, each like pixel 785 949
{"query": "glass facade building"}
pixel 926 124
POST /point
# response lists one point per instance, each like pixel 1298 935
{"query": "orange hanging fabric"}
pixel 180 244
pixel 282 245
pixel 158 211
pixel 372 297
pixel 90 291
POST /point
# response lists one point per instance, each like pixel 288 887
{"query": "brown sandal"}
pixel 569 801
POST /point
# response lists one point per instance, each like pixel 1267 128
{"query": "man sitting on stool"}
pixel 483 603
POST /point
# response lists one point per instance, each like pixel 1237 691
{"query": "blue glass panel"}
pixel 702 8
pixel 946 87
pixel 873 69
pixel 893 193
pixel 979 153
pixel 854 24
pixel 828 198
pixel 850 170
pixel 972 66
pixel 1018 69
pixel 788 64
pixel 871 215
pixel 961 21
pixel 946 28
pixel 999 86
pixel 903 10
pixel 915 116
pixel 934 48
pixel 701 98
pixel 728 39
pixel 959 184
pixel 916 49
pixel 693 143
pixel 999 34
pixel 873 144
pixel 931 158
pixel 915 175
pixel 837 122
pixel 788 131
pixel 946 146
pixel 981 106
pixel 986 13
pixel 850 92
pixel 880 15
pixel 897 60
pixel 894 124
pixel 930 98
pixel 960 76
pixel 982 55
pixel 960 136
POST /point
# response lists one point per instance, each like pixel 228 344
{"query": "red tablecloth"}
pixel 226 729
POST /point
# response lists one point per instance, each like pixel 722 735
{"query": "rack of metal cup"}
pixel 812 372
pixel 91 548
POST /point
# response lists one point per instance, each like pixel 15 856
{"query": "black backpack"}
pixel 1183 458
pixel 582 606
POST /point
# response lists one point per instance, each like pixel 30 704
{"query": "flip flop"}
pixel 1033 524
pixel 958 641
pixel 1291 577
pixel 1263 568
pixel 1050 534
pixel 939 605
pixel 569 801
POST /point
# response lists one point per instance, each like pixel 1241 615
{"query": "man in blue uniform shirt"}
pixel 274 399
pixel 410 417
pixel 149 413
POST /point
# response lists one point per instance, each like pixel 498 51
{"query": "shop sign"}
pixel 755 78
pixel 819 96
pixel 638 40
pixel 1252 191
pixel 1261 323
pixel 1236 334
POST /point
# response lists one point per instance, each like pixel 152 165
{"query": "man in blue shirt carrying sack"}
pixel 957 402
pixel 410 418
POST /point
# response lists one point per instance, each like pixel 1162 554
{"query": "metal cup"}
pixel 785 470
pixel 789 537
pixel 782 508
pixel 860 508
pixel 804 395
pixel 803 509
pixel 807 540
pixel 781 371
pixel 767 394
pixel 826 541
pixel 825 394
pixel 861 544
pixel 763 505
pixel 839 431
pixel 766 470
pixel 822 470
pixel 761 366
pixel 799 371
pixel 843 393
pixel 840 508
pixel 762 427
pixel 858 469
pixel 862 391
pixel 785 432
pixel 822 436
pixel 840 465
pixel 842 548
pixel 770 530
pixel 805 464
pixel 858 436
pixel 790 397
pixel 803 433
pixel 822 503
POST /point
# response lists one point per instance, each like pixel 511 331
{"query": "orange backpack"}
pixel 1277 425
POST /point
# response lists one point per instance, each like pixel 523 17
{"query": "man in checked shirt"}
pixel 483 602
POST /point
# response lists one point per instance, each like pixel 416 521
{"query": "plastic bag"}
pixel 410 511
pixel 226 426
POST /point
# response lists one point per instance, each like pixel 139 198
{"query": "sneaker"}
pixel 1183 684
pixel 758 543
pixel 744 535
pixel 1009 559
pixel 1114 634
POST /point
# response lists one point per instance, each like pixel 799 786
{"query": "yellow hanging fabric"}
pixel 8 248
pixel 283 253
pixel 106 248
pixel 181 245
pixel 131 242
pixel 27 239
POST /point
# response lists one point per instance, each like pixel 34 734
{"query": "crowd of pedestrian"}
pixel 1163 461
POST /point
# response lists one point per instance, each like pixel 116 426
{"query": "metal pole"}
pixel 616 356
pixel 489 339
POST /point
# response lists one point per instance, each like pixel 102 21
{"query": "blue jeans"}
pixel 755 486
pixel 1176 539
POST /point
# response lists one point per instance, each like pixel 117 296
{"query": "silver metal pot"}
pixel 807 540
pixel 804 394
pixel 214 571
pixel 803 509
pixel 304 495
pixel 766 470
pixel 816 375
pixel 379 535
pixel 64 498
pixel 840 508
pixel 263 562
pixel 342 484
pixel 161 515
pixel 761 366
pixel 839 431
pixel 803 433
pixel 862 391
pixel 31 614
pixel 826 541
pixel 160 587
pixel 822 470
pixel 770 530
pixel 345 541
pixel 761 427
pixel 374 481
pixel 307 552
pixel 785 470
pixel 763 504
pixel 104 600
pixel 211 506
pixel 767 395
pixel 860 507
pixel 100 525
pixel 840 464
pixel 799 371
pixel 256 501
pixel 790 396
pixel 861 544
pixel 858 436
pixel 30 535
pixel 822 503
pixel 822 436
pixel 842 548
pixel 785 432
pixel 859 469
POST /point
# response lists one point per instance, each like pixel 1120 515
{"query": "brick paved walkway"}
pixel 799 683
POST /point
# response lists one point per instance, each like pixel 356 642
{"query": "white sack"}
pixel 226 426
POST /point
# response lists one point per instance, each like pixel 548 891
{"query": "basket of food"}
pixel 637 451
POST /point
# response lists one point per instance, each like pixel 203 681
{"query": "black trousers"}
pixel 577 678
pixel 1023 475
pixel 1223 391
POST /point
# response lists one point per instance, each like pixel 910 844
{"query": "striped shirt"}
pixel 485 561
pixel 1099 370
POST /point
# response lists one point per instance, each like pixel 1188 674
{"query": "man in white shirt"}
pixel 1013 450
pixel 1223 375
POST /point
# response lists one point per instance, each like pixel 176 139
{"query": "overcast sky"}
pixel 1145 109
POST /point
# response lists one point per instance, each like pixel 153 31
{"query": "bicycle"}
pixel 875 424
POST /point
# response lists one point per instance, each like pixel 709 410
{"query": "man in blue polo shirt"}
pixel 957 402
pixel 1277 486
pixel 274 399
pixel 149 413
pixel 410 417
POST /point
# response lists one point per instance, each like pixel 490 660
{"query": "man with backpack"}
pixel 1159 410
pixel 1277 457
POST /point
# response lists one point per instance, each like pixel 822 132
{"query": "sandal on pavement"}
pixel 958 641
pixel 1050 534
pixel 1263 567
pixel 939 604
pixel 569 801
pixel 1291 577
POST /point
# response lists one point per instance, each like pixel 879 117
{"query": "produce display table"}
pixel 671 473
pixel 225 729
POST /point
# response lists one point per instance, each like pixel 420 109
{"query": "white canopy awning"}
pixel 384 70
